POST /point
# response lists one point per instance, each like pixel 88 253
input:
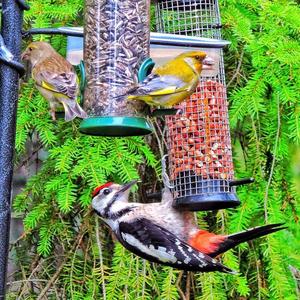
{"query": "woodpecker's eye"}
pixel 106 191
pixel 30 48
pixel 197 57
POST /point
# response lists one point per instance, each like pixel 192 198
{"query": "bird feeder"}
pixel 116 42
pixel 200 157
pixel 189 17
pixel 199 145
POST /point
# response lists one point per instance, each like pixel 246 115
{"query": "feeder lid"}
pixel 115 126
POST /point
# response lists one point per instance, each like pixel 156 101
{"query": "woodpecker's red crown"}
pixel 101 187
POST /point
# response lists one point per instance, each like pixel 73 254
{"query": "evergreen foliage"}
pixel 65 253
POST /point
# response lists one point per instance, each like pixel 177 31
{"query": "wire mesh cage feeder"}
pixel 199 144
pixel 183 5
pixel 116 42
pixel 189 17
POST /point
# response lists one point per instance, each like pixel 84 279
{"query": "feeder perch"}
pixel 199 145
pixel 116 42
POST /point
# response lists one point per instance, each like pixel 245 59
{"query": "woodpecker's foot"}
pixel 180 110
pixel 165 176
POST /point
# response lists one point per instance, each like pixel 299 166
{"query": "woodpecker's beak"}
pixel 208 63
pixel 127 186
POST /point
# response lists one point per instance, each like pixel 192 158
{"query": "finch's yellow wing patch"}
pixel 51 88
pixel 48 86
pixel 167 91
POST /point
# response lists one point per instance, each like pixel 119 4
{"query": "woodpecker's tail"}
pixel 73 110
pixel 214 245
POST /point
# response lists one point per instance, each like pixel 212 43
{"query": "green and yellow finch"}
pixel 172 82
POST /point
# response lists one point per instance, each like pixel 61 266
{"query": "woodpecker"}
pixel 160 233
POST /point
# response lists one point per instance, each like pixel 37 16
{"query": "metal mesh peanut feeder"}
pixel 199 146
pixel 116 42
pixel 189 17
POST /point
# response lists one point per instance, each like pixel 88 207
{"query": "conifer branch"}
pixel 62 264
pixel 237 71
pixel 97 232
pixel 273 160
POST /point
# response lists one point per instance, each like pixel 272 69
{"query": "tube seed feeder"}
pixel 116 42
pixel 199 144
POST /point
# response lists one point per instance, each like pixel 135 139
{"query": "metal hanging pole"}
pixel 10 70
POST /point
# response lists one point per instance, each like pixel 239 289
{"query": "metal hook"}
pixel 7 58
pixel 5 54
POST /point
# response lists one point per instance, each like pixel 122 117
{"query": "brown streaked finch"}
pixel 55 78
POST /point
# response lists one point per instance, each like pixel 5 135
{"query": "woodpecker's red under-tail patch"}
pixel 213 245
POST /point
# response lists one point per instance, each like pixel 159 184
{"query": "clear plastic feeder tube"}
pixel 116 42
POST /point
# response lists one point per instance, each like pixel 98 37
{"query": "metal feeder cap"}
pixel 115 126
pixel 203 202
pixel 205 195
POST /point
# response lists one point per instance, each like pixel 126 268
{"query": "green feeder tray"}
pixel 115 126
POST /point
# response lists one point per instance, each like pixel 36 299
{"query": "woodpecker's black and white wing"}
pixel 156 244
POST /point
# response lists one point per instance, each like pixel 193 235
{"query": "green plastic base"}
pixel 115 126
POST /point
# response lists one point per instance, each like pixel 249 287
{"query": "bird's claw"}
pixel 165 176
pixel 180 110
pixel 52 113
